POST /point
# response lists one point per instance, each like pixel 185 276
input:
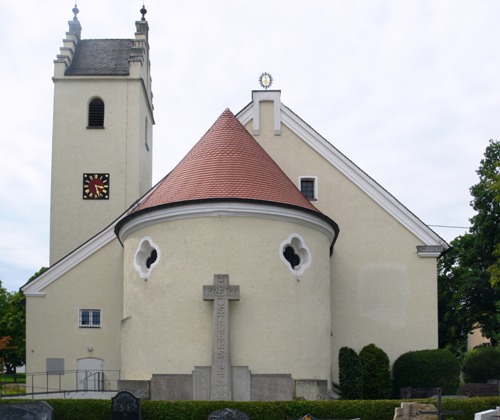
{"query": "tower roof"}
pixel 101 57
pixel 226 163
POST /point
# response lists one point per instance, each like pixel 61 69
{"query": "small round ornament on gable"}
pixel 266 80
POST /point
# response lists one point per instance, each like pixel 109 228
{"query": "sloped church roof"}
pixel 226 163
pixel 101 57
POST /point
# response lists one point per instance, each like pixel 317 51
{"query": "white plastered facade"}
pixel 383 290
pixel 118 148
pixel 278 312
pixel 374 288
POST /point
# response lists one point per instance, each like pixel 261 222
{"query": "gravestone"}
pixel 221 376
pixel 125 406
pixel 228 413
pixel 414 411
pixel 480 390
pixel 439 412
pixel 414 393
pixel 38 410
pixel 487 415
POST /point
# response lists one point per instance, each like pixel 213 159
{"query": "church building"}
pixel 239 275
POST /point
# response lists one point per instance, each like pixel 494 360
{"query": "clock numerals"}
pixel 95 186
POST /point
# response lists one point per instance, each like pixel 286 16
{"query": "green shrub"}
pixel 68 409
pixel 426 369
pixel 376 373
pixel 350 374
pixel 482 364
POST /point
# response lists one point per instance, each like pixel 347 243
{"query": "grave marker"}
pixel 125 406
pixel 38 410
pixel 487 415
pixel 439 412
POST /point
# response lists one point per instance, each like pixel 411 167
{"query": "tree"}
pixel 350 374
pixel 4 345
pixel 434 368
pixel 12 325
pixel 376 373
pixel 469 295
pixel 494 269
pixel 482 364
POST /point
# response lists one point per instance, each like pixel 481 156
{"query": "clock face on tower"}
pixel 95 186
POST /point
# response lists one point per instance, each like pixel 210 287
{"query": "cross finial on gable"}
pixel 143 12
pixel 75 12
pixel 74 25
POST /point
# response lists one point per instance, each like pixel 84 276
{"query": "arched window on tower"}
pixel 96 113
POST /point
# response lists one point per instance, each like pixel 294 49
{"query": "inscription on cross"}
pixel 221 293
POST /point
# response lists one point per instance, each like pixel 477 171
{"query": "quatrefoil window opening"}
pixel 291 256
pixel 295 254
pixel 146 257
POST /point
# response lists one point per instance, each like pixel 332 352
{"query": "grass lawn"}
pixel 19 378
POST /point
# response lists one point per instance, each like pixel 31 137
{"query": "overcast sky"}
pixel 408 90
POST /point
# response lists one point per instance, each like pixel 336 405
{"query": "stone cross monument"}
pixel 221 293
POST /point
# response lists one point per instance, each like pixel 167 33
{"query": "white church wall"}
pixel 53 325
pixel 139 166
pixel 280 325
pixel 382 292
pixel 89 150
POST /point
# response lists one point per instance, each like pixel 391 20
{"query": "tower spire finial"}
pixel 143 12
pixel 75 12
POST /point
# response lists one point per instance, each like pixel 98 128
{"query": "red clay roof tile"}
pixel 227 162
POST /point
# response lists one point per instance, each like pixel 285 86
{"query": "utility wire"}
pixel 450 227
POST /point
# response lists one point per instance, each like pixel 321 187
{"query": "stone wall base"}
pixel 311 389
pixel 141 389
pixel 246 386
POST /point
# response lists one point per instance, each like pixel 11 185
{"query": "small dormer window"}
pixel 96 113
pixel 309 187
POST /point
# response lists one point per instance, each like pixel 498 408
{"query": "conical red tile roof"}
pixel 226 163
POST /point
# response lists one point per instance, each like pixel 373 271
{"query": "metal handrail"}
pixel 107 380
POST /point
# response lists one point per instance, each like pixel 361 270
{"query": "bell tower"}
pixel 102 133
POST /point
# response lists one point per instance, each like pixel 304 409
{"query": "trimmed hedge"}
pixel 350 374
pixel 376 373
pixel 482 364
pixel 279 410
pixel 426 369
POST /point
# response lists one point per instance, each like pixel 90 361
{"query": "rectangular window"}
pixel 90 318
pixel 309 187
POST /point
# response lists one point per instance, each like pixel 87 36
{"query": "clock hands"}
pixel 97 187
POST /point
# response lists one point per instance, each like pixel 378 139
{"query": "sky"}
pixel 409 90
